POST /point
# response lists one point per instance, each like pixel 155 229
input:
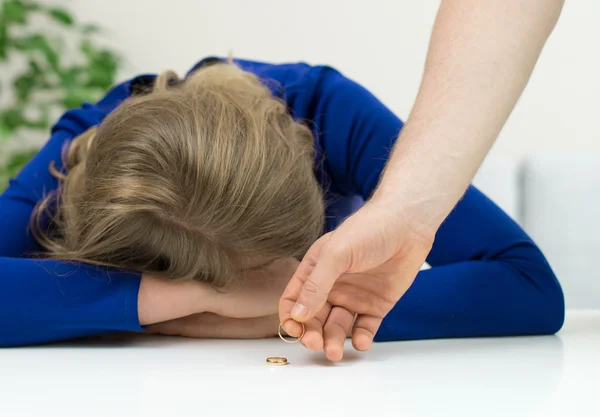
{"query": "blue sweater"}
pixel 487 278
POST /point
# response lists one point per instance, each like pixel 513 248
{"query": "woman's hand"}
pixel 351 278
pixel 160 300
pixel 247 311
pixel 258 293
pixel 207 325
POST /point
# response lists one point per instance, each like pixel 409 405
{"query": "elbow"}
pixel 540 298
pixel 547 306
pixel 553 306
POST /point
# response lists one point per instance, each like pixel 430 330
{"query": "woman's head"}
pixel 191 181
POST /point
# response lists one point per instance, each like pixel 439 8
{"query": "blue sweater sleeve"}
pixel 488 278
pixel 44 300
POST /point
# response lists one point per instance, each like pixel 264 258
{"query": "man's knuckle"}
pixel 311 288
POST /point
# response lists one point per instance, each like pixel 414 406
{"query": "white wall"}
pixel 381 43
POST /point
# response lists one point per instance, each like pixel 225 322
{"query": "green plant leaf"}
pixel 102 65
pixel 39 43
pixel 71 77
pixel 14 11
pixel 76 97
pixel 34 67
pixel 30 5
pixel 86 47
pixel 13 117
pixel 61 16
pixel 62 85
pixel 27 82
pixel 3 39
pixel 23 85
pixel 5 131
pixel 14 164
pixel 18 159
pixel 89 29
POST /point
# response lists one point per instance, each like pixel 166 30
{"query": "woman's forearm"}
pixel 480 58
pixel 161 300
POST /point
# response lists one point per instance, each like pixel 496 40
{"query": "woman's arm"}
pixel 488 278
pixel 46 300
pixel 210 325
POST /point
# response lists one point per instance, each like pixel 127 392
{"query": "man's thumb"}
pixel 315 290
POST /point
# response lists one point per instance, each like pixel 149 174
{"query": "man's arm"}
pixel 481 55
pixel 480 58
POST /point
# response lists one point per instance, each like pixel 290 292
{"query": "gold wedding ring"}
pixel 290 341
pixel 277 361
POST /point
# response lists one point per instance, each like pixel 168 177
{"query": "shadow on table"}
pixel 543 346
pixel 117 340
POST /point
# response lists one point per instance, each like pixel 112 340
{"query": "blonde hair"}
pixel 187 181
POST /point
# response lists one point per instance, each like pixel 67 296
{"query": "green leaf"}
pixel 102 65
pixel 5 131
pixel 60 84
pixel 13 118
pixel 61 16
pixel 41 44
pixel 89 29
pixel 100 77
pixel 34 67
pixel 3 40
pixel 18 159
pixel 29 81
pixel 24 84
pixel 14 11
pixel 86 48
pixel 30 5
pixel 15 163
pixel 76 97
pixel 73 76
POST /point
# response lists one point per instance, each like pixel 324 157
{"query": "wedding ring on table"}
pixel 277 361
pixel 290 341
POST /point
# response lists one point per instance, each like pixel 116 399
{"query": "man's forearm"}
pixel 481 55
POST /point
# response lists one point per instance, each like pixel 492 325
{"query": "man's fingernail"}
pixel 299 311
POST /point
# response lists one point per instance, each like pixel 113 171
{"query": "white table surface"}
pixel 163 376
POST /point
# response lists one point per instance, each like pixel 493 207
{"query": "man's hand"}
pixel 351 278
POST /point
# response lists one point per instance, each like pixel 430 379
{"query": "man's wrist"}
pixel 422 208
pixel 424 180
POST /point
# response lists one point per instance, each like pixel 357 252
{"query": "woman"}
pixel 179 198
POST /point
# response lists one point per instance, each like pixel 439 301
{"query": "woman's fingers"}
pixel 336 330
pixel 364 331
